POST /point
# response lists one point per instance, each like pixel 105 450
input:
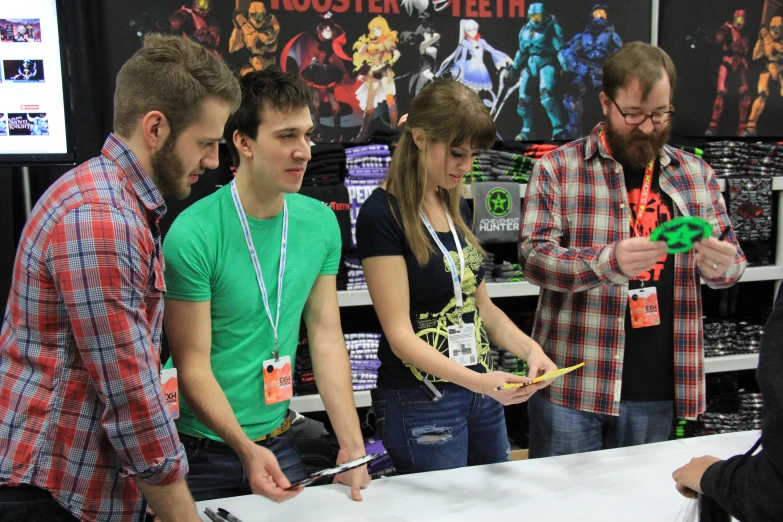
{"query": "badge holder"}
pixel 278 383
pixel 168 382
pixel 643 305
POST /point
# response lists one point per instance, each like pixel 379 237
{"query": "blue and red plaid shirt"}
pixel 81 408
pixel 576 212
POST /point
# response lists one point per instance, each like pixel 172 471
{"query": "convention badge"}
pixel 278 384
pixel 643 304
pixel 462 344
pixel 681 233
pixel 168 381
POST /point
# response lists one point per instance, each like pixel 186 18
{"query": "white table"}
pixel 603 486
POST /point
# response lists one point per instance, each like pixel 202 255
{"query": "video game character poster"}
pixel 536 65
pixel 729 58
pixel 20 30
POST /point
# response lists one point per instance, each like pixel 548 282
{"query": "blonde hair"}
pixel 172 75
pixel 379 22
pixel 450 113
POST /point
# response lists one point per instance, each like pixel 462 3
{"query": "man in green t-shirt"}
pixel 243 266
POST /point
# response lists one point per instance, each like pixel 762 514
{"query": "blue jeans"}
pixel 31 503
pixel 217 472
pixel 558 430
pixel 460 429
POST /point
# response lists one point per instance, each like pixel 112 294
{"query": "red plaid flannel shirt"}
pixel 81 409
pixel 576 211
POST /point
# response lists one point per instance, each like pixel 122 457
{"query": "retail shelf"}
pixel 469 191
pixel 731 363
pixel 777 184
pixel 362 297
pixel 308 403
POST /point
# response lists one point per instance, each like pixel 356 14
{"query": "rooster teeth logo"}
pixel 499 202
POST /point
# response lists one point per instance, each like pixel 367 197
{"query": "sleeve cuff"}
pixel 710 478
pixel 609 268
pixel 165 470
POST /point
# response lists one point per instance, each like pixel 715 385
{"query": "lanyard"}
pixel 257 265
pixel 646 185
pixel 455 280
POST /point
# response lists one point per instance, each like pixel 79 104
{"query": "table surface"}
pixel 603 486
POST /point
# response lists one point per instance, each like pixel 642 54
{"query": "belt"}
pixel 277 431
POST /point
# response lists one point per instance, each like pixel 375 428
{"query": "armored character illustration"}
pixel 257 32
pixel 769 46
pixel 321 60
pixel 377 52
pixel 39 125
pixel 584 57
pixel 538 58
pixel 195 22
pixel 27 71
pixel 466 63
pixel 735 47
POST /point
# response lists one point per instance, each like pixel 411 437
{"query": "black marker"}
pixel 725 233
pixel 212 515
pixel 228 516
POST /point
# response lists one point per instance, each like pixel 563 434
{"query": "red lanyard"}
pixel 641 205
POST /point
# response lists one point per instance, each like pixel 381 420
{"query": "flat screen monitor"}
pixel 34 102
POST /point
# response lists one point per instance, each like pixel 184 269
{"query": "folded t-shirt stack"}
pixel 489 267
pixel 481 169
pixel 356 280
pixel 326 166
pixel 510 166
pixel 382 467
pixel 727 158
pixel 363 354
pixel 508 273
pixel 304 378
pixel 506 361
pixel 367 168
pixel 533 151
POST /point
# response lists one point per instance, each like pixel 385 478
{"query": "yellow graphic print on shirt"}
pixel 432 327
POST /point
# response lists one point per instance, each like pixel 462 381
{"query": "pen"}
pixel 724 234
pixel 212 515
pixel 228 516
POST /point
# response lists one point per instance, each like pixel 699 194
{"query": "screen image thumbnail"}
pixel 3 125
pixel 28 124
pixel 14 30
pixel 23 70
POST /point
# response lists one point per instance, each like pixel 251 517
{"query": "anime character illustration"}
pixel 3 125
pixel 584 57
pixel 196 22
pixel 735 47
pixel 769 46
pixel 422 5
pixel 425 41
pixel 466 63
pixel 39 125
pixel 256 31
pixel 377 52
pixel 321 61
pixel 538 58
pixel 25 72
pixel 21 34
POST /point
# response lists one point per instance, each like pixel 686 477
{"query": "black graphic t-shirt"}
pixel 432 301
pixel 648 366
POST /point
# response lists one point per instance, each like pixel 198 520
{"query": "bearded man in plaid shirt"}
pixel 590 208
pixel 85 431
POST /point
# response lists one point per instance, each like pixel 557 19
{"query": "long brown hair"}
pixel 450 113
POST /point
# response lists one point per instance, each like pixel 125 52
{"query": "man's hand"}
pixel 357 479
pixel 714 257
pixel 638 255
pixel 688 477
pixel 265 476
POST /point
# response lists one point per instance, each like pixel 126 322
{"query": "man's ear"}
pixel 242 143
pixel 155 129
pixel 419 138
pixel 605 101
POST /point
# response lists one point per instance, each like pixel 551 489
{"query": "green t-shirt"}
pixel 207 260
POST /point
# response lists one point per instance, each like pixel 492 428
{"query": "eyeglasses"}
pixel 637 118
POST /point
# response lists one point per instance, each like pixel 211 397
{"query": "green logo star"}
pixel 499 202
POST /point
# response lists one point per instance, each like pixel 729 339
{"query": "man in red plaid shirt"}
pixel 589 211
pixel 85 432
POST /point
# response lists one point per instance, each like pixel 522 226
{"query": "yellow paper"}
pixel 545 377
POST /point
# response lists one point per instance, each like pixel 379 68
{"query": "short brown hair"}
pixel 638 60
pixel 172 75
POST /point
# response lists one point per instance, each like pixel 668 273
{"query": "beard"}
pixel 635 148
pixel 169 171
